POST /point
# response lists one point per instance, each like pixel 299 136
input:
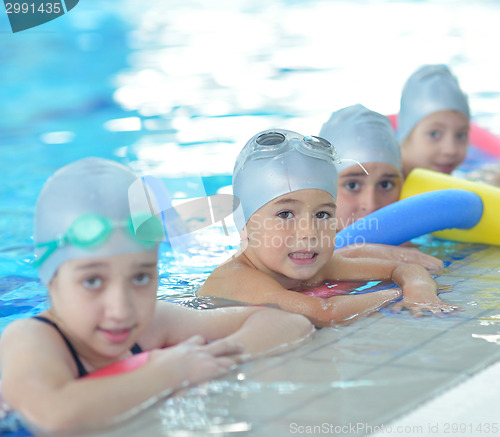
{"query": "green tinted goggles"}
pixel 91 230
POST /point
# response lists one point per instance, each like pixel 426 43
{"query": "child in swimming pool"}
pixel 102 283
pixel 433 121
pixel 367 137
pixel 287 185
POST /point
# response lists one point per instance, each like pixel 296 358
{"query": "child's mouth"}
pixel 116 335
pixel 445 168
pixel 303 257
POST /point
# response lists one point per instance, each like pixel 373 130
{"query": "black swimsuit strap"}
pixel 136 349
pixel 81 370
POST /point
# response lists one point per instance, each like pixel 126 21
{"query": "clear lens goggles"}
pixel 92 230
pixel 275 142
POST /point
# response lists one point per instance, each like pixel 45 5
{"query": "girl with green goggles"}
pixel 106 348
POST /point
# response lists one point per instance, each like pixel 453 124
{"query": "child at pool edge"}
pixel 103 308
pixel 367 137
pixel 433 121
pixel 287 186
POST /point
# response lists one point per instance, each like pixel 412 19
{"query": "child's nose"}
pixel 450 145
pixel 307 228
pixel 119 303
pixel 369 201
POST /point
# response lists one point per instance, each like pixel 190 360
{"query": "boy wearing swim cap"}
pixel 287 185
pixel 365 137
pixel 100 267
pixel 433 121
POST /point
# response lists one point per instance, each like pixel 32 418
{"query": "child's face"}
pixel 360 194
pixel 438 142
pixel 293 236
pixel 105 304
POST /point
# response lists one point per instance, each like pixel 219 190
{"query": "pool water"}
pixel 174 89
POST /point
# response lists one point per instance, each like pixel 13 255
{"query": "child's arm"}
pixel 260 330
pixel 252 286
pixel 39 378
pixel 48 395
pixel 409 255
pixel 246 284
pixel 419 289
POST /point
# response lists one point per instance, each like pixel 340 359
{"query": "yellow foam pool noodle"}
pixel 487 230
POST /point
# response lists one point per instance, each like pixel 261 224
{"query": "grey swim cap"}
pixel 88 186
pixel 362 135
pixel 430 89
pixel 276 162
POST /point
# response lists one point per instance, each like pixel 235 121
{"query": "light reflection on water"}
pixel 222 73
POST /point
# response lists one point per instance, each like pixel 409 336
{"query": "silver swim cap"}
pixel 430 89
pixel 276 162
pixel 362 135
pixel 82 212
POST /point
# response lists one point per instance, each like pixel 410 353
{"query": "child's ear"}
pixel 244 240
pixel 52 285
pixel 244 234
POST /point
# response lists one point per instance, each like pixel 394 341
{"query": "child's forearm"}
pixel 413 278
pixel 345 309
pixel 408 255
pixel 272 331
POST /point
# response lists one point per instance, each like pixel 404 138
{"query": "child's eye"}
pixel 463 136
pixel 285 214
pixel 387 185
pixel 93 283
pixel 435 134
pixel 352 186
pixel 323 215
pixel 141 279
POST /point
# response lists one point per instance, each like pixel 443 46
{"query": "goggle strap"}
pixel 355 161
pixel 51 247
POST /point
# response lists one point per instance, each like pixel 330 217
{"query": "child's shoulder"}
pixel 31 328
pixel 234 274
pixel 20 327
pixel 21 334
pixel 237 264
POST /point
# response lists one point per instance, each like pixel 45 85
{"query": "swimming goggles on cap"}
pixel 92 230
pixel 276 142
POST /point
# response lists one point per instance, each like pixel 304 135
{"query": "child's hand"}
pixel 418 299
pixel 419 291
pixel 194 361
